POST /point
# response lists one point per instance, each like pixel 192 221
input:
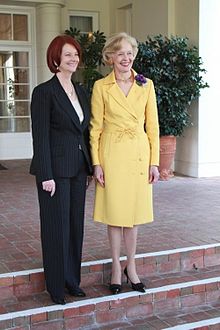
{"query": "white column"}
pixel 198 152
pixel 48 25
pixel 209 102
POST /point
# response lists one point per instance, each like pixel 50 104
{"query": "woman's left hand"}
pixel 49 186
pixel 153 174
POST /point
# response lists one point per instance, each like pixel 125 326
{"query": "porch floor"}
pixel 186 213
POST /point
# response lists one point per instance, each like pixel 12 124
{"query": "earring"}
pixel 57 66
pixel 110 61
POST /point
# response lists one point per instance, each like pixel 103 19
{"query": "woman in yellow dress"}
pixel 124 139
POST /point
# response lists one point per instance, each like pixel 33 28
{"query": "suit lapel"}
pixel 65 103
pixel 83 100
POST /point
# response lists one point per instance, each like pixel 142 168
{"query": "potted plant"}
pixel 176 70
pixel 91 45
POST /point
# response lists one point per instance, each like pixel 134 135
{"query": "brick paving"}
pixel 187 213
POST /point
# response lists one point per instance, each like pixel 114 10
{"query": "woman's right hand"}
pixel 49 186
pixel 99 175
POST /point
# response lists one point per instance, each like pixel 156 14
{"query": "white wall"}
pixel 149 17
pixel 19 143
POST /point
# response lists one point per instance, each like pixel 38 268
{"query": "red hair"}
pixel 54 50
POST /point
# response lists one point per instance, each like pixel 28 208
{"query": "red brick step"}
pixel 163 262
pixel 168 292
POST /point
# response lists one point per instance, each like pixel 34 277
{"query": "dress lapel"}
pixel 116 93
pixel 136 93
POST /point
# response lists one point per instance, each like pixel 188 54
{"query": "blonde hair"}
pixel 113 44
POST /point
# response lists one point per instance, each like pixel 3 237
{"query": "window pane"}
pixel 14 91
pixel 21 75
pixel 20 59
pixel 5 27
pixel 5 58
pixel 22 108
pixel 82 23
pixel 21 92
pixel 6 109
pixel 10 125
pixel 20 27
pixel 3 92
pixel 7 91
pixel 2 75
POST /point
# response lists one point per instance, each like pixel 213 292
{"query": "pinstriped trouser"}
pixel 62 225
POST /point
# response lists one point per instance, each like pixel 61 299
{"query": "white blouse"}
pixel 78 109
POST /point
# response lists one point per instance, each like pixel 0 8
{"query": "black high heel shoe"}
pixel 56 300
pixel 115 288
pixel 135 286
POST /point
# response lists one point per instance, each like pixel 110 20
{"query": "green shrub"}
pixel 92 46
pixel 175 69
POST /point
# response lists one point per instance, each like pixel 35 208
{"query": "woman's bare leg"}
pixel 130 239
pixel 115 237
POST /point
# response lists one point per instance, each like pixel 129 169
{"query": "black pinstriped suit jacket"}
pixel 57 132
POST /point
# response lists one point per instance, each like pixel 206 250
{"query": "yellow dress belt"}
pixel 121 132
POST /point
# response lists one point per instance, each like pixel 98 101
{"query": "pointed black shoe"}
pixel 75 291
pixel 115 288
pixel 135 286
pixel 56 300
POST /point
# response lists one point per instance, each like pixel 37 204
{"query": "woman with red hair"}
pixel 60 114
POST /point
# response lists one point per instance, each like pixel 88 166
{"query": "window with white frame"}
pixel 15 52
pixel 84 21
pixel 13 27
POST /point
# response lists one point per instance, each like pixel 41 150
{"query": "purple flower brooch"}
pixel 140 80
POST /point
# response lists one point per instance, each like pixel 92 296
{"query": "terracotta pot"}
pixel 167 154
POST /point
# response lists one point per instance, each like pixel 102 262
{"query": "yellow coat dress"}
pixel 124 139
